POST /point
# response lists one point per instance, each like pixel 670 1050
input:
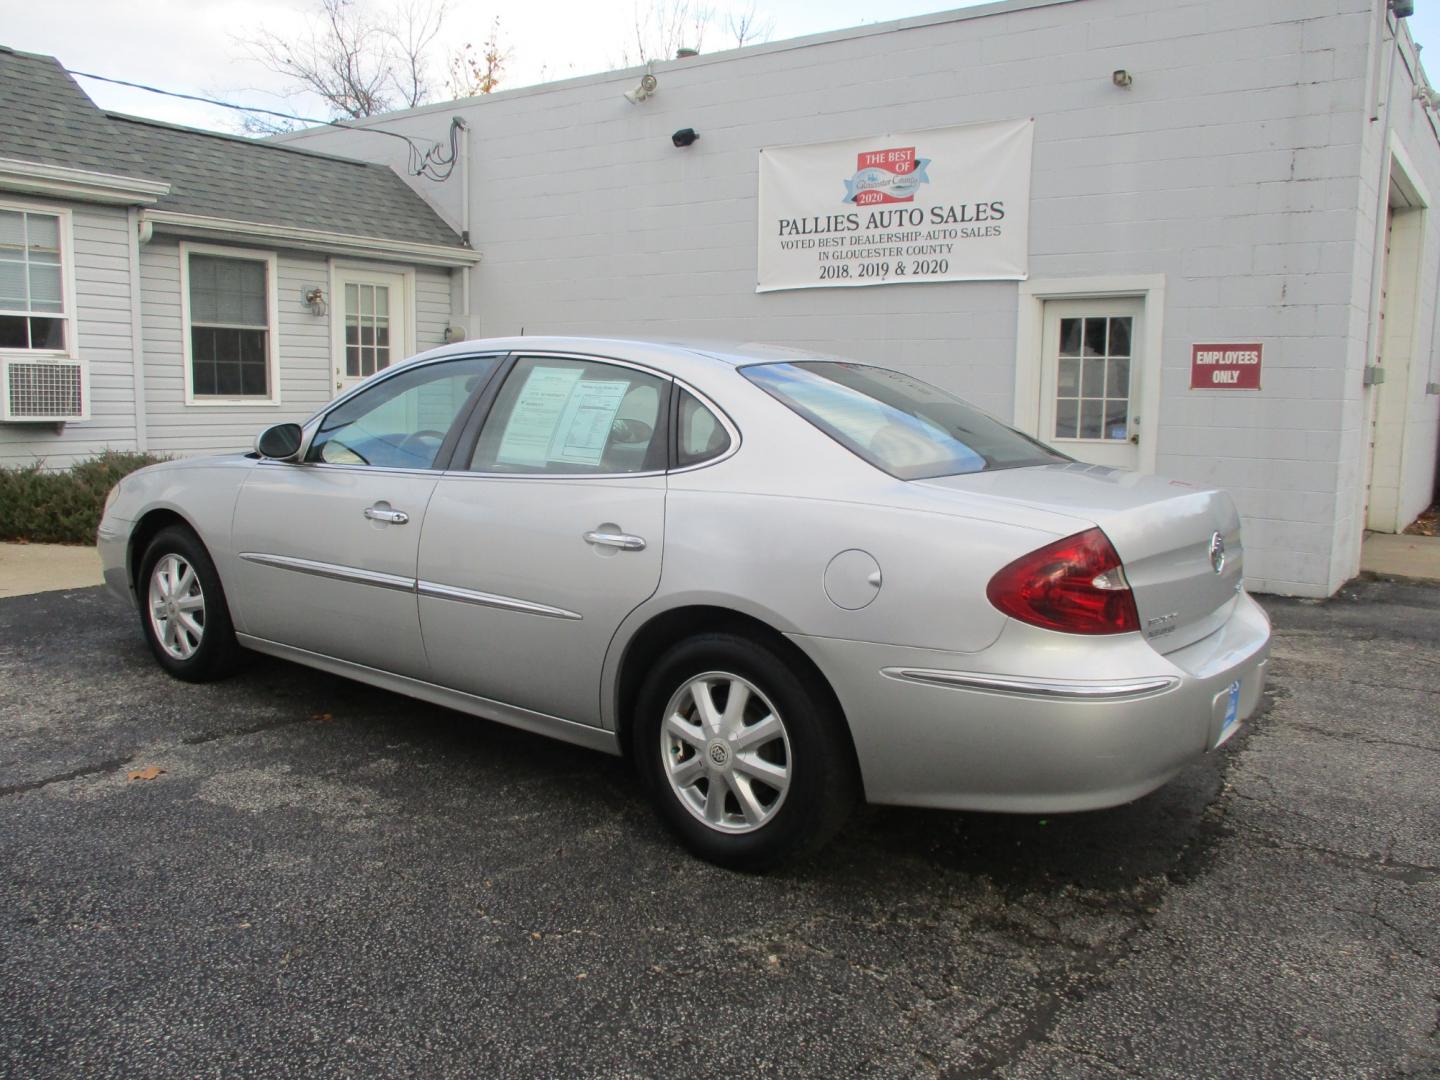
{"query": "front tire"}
pixel 745 754
pixel 183 610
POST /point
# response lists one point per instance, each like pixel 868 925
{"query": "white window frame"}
pixel 1149 289
pixel 272 313
pixel 71 351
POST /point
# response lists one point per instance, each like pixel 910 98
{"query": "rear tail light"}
pixel 1076 585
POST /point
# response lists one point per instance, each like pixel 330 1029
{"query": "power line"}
pixel 426 163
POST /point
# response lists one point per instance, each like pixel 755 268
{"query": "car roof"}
pixel 681 357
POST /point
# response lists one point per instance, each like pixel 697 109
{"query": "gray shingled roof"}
pixel 46 117
pixel 227 176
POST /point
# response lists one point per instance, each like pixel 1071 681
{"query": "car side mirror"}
pixel 280 442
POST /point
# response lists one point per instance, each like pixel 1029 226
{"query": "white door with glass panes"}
pixel 1090 380
pixel 371 325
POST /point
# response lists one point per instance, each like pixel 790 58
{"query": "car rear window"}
pixel 897 423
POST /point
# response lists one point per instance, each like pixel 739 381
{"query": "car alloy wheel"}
pixel 182 607
pixel 726 752
pixel 177 606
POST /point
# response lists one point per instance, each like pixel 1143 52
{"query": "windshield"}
pixel 897 423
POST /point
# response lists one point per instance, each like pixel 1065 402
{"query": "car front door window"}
pixel 401 422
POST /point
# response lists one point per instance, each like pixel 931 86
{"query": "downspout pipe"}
pixel 465 317
pixel 139 231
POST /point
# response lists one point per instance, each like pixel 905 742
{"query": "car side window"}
pixel 558 415
pixel 701 436
pixel 400 422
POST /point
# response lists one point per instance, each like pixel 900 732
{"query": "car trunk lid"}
pixel 1183 579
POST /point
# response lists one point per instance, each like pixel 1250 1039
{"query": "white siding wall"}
pixel 103 304
pixel 1231 166
pixel 306 370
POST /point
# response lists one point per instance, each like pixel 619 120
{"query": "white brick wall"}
pixel 1241 165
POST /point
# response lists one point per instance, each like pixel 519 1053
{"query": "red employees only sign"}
pixel 1225 367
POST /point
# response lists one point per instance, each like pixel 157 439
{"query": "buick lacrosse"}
pixel 780 582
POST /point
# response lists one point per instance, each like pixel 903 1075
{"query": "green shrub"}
pixel 62 507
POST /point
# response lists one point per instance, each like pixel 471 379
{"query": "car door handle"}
pixel 385 514
pixel 623 541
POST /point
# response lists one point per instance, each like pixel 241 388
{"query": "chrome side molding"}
pixel 403 584
pixel 1017 684
pixel 505 603
pixel 331 570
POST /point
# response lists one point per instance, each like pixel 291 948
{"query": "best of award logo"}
pixel 886 176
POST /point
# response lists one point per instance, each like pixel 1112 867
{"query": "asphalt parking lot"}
pixel 328 880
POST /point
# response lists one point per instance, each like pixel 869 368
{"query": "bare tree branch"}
pixel 663 27
pixel 413 34
pixel 749 27
pixel 360 62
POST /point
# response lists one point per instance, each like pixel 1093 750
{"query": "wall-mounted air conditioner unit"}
pixel 43 390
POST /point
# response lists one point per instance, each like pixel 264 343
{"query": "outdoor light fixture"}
pixel 314 295
pixel 684 137
pixel 1121 77
pixel 1402 9
pixel 646 87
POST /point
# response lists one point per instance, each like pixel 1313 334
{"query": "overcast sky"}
pixel 194 46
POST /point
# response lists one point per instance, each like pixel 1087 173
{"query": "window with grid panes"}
pixel 367 329
pixel 229 326
pixel 1092 391
pixel 32 294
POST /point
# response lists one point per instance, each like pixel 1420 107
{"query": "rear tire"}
pixel 183 610
pixel 745 754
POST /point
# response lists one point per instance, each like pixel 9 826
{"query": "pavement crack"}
pixel 74 774
pixel 1381 866
pixel 252 729
pixel 1353 736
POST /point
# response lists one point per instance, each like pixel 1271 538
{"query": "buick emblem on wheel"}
pixel 718 754
pixel 1217 552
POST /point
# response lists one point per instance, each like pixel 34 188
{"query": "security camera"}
pixel 684 137
pixel 647 86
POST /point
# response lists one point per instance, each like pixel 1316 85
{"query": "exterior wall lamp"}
pixel 314 296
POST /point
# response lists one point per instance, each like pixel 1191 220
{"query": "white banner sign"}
pixel 949 204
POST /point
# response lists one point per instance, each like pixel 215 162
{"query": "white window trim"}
pixel 1029 334
pixel 272 313
pixel 340 267
pixel 67 283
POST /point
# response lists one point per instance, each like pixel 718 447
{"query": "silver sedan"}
pixel 780 582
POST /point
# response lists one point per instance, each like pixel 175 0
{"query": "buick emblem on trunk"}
pixel 1217 552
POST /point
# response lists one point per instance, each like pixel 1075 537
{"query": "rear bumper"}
pixel 1109 720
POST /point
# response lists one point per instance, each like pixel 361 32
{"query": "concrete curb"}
pixel 33 568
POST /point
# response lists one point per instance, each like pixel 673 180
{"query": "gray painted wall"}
pixel 171 426
pixel 103 298
pixel 306 380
